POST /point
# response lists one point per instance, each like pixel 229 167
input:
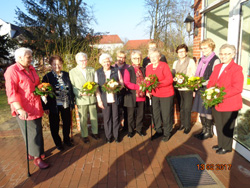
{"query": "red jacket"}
pixel 232 79
pixel 164 75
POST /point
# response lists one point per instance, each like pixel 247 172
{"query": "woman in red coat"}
pixel 162 96
pixel 228 75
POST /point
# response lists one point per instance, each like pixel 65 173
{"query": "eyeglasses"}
pixel 225 54
pixel 181 52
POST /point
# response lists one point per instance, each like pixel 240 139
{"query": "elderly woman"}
pixel 21 80
pixel 108 102
pixel 205 69
pixel 135 98
pixel 228 75
pixel 79 76
pixel 162 96
pixel 62 103
pixel 187 66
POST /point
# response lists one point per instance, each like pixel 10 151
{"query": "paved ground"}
pixel 135 162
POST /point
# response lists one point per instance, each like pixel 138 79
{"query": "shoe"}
pixel 108 140
pixel 117 140
pixel 216 147
pixel 95 136
pixel 156 135
pixel 130 134
pixel 181 127
pixel 30 157
pixel 61 148
pixel 222 151
pixel 186 131
pixel 40 163
pixel 69 144
pixel 86 140
pixel 165 138
pixel 141 133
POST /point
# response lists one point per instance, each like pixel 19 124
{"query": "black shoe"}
pixel 95 136
pixel 216 147
pixel 186 131
pixel 60 148
pixel 130 134
pixel 86 140
pixel 156 135
pixel 117 140
pixel 108 140
pixel 181 127
pixel 222 151
pixel 141 133
pixel 69 144
pixel 165 138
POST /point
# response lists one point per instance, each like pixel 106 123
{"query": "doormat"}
pixel 189 175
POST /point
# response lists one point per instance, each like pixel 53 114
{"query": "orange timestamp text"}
pixel 214 166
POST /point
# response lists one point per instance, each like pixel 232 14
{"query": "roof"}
pixel 110 39
pixel 136 44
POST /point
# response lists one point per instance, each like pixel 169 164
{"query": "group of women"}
pixel 21 80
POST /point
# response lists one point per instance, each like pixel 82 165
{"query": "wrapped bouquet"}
pixel 194 82
pixel 44 90
pixel 180 80
pixel 149 83
pixel 111 86
pixel 212 96
pixel 89 88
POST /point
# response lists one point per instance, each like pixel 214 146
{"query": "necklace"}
pixel 29 77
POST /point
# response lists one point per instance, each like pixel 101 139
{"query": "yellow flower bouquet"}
pixel 212 96
pixel 111 86
pixel 89 88
pixel 194 82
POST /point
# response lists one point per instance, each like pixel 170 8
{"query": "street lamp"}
pixel 189 20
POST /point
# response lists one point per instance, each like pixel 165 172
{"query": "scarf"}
pixel 139 80
pixel 203 64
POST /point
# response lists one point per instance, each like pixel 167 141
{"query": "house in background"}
pixel 228 21
pixel 136 44
pixel 109 43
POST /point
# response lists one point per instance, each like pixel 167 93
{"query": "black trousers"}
pixel 185 100
pixel 163 114
pixel 123 110
pixel 111 120
pixel 135 117
pixel 54 120
pixel 225 123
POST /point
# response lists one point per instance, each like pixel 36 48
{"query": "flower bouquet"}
pixel 149 83
pixel 111 86
pixel 89 88
pixel 44 90
pixel 194 82
pixel 212 96
pixel 180 80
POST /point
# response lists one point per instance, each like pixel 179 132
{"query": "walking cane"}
pixel 151 110
pixel 27 147
pixel 71 126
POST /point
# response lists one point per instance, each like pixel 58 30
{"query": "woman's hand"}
pixel 83 94
pixel 22 113
pixel 149 95
pixel 100 104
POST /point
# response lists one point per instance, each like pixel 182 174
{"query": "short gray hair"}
pixel 154 50
pixel 231 47
pixel 81 54
pixel 20 52
pixel 105 56
pixel 136 52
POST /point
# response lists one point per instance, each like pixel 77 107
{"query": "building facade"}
pixel 228 21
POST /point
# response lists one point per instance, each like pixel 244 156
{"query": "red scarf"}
pixel 139 80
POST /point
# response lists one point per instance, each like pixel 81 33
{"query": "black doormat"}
pixel 188 175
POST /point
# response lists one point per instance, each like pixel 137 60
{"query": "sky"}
pixel 121 17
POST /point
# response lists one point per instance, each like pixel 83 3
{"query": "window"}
pixel 216 25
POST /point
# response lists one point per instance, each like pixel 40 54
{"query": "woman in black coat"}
pixel 62 103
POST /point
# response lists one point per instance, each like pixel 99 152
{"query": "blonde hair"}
pixel 208 42
pixel 120 52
